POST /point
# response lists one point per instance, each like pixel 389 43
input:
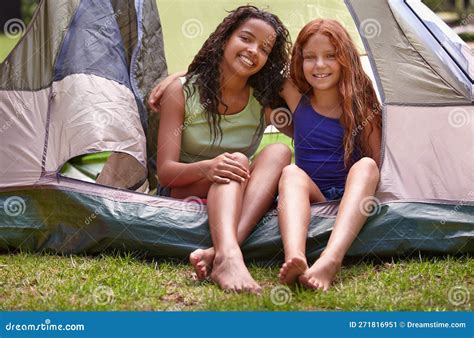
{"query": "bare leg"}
pixel 224 209
pixel 297 192
pixel 258 197
pixel 361 184
pixel 198 189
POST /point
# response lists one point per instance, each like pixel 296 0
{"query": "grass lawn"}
pixel 127 282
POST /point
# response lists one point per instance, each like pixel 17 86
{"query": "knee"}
pixel 290 174
pixel 242 159
pixel 280 151
pixel 279 154
pixel 367 168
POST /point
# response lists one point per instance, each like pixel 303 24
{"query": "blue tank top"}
pixel 319 149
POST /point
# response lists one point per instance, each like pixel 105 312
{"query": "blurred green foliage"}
pixel 467 37
pixel 439 5
pixel 28 8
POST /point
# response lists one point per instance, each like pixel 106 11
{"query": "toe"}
pixel 313 283
pixel 255 288
pixel 194 258
pixel 303 279
pixel 318 284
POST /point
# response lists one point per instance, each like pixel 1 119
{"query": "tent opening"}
pixel 114 169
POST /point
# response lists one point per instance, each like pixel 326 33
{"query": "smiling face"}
pixel 248 48
pixel 320 66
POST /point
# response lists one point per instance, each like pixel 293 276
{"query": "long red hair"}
pixel 361 109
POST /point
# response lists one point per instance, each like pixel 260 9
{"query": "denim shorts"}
pixel 333 193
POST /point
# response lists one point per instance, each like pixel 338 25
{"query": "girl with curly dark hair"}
pixel 211 123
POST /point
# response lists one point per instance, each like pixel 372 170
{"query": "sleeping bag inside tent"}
pixel 76 84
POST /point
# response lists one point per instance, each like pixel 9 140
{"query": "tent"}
pixel 76 83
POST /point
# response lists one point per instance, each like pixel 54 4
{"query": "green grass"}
pixel 126 282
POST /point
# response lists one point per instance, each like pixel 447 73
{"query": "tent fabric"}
pixel 93 45
pixel 125 172
pixel 393 44
pixel 449 40
pixel 441 62
pixel 428 154
pixel 23 131
pixel 72 217
pixel 148 68
pixel 67 102
pixel 427 132
pixel 77 105
pixel 30 65
pixel 89 107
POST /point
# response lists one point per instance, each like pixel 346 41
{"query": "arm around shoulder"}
pixel 290 94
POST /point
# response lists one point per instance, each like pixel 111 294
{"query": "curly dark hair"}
pixel 266 84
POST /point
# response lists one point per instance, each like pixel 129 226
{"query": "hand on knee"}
pixel 241 158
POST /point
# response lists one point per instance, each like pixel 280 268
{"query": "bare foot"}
pixel 292 269
pixel 231 274
pixel 321 274
pixel 202 261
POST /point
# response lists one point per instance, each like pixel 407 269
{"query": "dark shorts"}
pixel 163 191
pixel 333 193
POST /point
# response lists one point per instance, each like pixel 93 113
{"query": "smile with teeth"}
pixel 321 76
pixel 246 60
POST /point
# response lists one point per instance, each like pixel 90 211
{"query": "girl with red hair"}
pixel 337 135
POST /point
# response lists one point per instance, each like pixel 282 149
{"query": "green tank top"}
pixel 238 130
